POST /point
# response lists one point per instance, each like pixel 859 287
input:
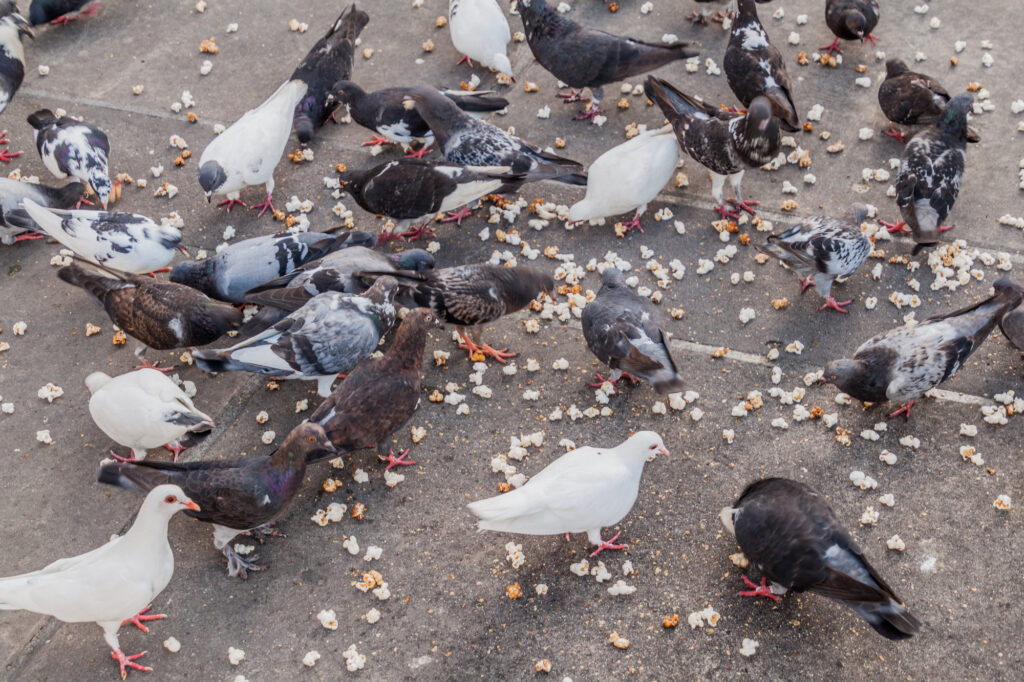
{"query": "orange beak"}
pixel 189 504
pixel 662 451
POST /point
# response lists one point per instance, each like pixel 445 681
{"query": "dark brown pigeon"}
pixel 237 496
pixel 851 20
pixel 903 364
pixel 380 395
pixel 472 295
pixel 1012 326
pixel 584 57
pixel 162 315
pixel 793 537
pixel 754 67
pixel 910 98
pixel 625 332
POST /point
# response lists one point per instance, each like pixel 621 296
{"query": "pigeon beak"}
pixel 104 205
pixel 663 451
pixel 189 504
pixel 208 195
pixel 184 250
pixel 821 382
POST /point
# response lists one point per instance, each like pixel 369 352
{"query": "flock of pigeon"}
pixel 328 300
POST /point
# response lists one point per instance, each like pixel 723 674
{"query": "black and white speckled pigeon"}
pixel 328 335
pixel 468 142
pixel 754 67
pixel 237 496
pixel 584 57
pixel 393 118
pixel 61 11
pixel 162 315
pixel 75 148
pixel 127 242
pixel 414 190
pixel 788 531
pixel 724 143
pixel 851 20
pixel 820 249
pixel 380 395
pixel 250 263
pixel 330 60
pixel 911 99
pixel 626 332
pixel 931 170
pixel 13 192
pixel 13 28
pixel 903 364
pixel 472 295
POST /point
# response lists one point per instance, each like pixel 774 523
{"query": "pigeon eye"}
pixel 170 499
pixel 310 439
pixel 653 447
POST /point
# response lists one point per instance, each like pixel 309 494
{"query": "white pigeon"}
pixel 480 31
pixel 128 242
pixel 628 177
pixel 110 585
pixel 248 151
pixel 143 409
pixel 582 491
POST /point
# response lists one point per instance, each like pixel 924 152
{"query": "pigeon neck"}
pixel 747 12
pixel 534 10
pixel 149 529
pixel 409 344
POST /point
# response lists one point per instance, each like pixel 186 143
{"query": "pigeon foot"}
pixel 387 236
pixel 574 96
pixel 400 460
pixel 589 113
pixel 122 460
pixel 141 616
pixel 633 224
pixel 64 21
pixel 697 17
pixel 607 544
pixel 832 303
pixel 904 410
pixel 128 661
pixel 726 214
pixel 414 233
pixel 479 352
pixel 602 380
pixel 761 590
pixel 267 204
pixel 263 532
pixel 743 205
pixel 466 59
pixel 834 47
pixel 7 156
pixel 871 38
pixel 734 110
pixel 231 202
pixel 895 227
pixel 458 216
pixel 28 236
pixel 419 153
pixel 806 282
pixel 153 274
pixel 175 448
pixel 146 364
pixel 238 566
pixel 376 141
pixel 895 134
pixel 946 228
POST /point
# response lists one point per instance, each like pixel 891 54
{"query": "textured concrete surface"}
pixel 448 616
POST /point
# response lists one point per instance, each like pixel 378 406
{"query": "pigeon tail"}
pixel 783 108
pixel 890 619
pixel 221 361
pixel 130 477
pixel 42 118
pixel 667 381
pixel 578 179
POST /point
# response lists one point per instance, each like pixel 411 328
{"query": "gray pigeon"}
pixel 13 192
pixel 327 336
pixel 911 99
pixel 820 249
pixel 625 332
pixel 788 531
pixel 252 262
pixel 851 20
pixel 1012 326
pixel 931 170
pixel 903 364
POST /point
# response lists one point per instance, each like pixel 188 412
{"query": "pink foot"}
pixel 146 364
pixel 419 153
pixel 743 205
pixel 332 117
pixel 458 216
pixel 830 302
pixel 761 590
pixel 944 228
pixel 601 380
pixel 806 282
pixel 735 110
pixel 607 544
pixel 589 113
pixel 122 460
pixel 129 662
pixel 904 410
pixel 28 236
pixel 834 47
pixel 870 38
pixel 895 134
pixel 267 204
pixel 567 537
pixel 376 141
pixel 230 203
pixel 85 201
pixel 399 461
pixel 141 616
pixel 895 227
pixel 91 10
pixel 64 21
pixel 387 236
pixel 466 59
pixel 7 156
pixel 726 214
pixel 423 231
pixel 634 224
pixel 175 449
pixel 574 96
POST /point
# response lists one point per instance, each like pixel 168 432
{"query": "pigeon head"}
pixel 859 213
pixel 211 176
pixel 383 290
pixel 759 121
pixel 69 194
pixel 728 518
pixel 306 441
pixel 502 63
pixel 842 373
pixel 345 91
pixel 646 445
pixel 303 128
pixel 417 260
pixel 96 381
pixel 100 181
pixel 9 12
pixel 195 274
pixel 438 111
pixel 895 67
pixel 613 278
pixel 856 22
pixel 954 117
pixel 166 500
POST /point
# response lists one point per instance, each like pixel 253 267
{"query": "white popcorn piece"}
pixel 888 499
pixel 581 568
pixel 514 554
pixel 351 544
pixel 44 437
pixel 749 647
pixel 779 423
pixel 969 430
pixel 696 414
pixel 869 434
pixel 896 543
pixel 815 113
pixel 328 619
pixel 373 552
pixel 310 659
pixel 863 82
pixel 371 616
pixel 830 420
pixel 747 314
pixel 268 437
pixel 531 395
pixel 172 645
pixel 869 517
pixel 335 512
pixel 621 588
pixel 888 457
pixel 910 442
pixel 235 656
pixel 796 348
pixel 262 417
pixel 659 408
pixel 1003 503
pixel 360 476
pixel 19 328
pixel 353 659
pixel 50 392
pixel 728 435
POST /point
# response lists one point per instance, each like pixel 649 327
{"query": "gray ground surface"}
pixel 448 616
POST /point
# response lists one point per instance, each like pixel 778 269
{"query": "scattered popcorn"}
pixel 869 517
pixel 310 659
pixel 235 656
pixel 268 437
pixel 360 476
pixel 44 437
pixel 621 588
pixel 328 619
pixel 50 392
pixel 353 659
pixel 888 499
pixel 729 435
pixel 1003 503
pixel 581 568
pixel 19 328
pixel 796 348
pixel 749 647
pixel 910 442
pixel 896 543
pixel 172 645
pixel 618 641
pixel 697 619
pixel 888 457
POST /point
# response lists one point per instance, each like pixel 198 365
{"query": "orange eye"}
pixel 170 499
pixel 311 439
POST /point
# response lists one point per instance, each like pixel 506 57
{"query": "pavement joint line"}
pixel 691 201
pixel 40 638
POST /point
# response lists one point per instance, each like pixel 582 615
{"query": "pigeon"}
pixel 904 363
pixel 248 151
pixel 73 148
pixel 411 190
pixel 161 315
pixel 931 170
pixel 724 143
pixel 1012 326
pixel 61 11
pixel 702 16
pixel 380 395
pixel 237 496
pixel 628 177
pixel 754 67
pixel 468 142
pixel 911 99
pixel 472 295
pixel 111 585
pixel 13 29
pixel 582 491
pixel 850 20
pixel 128 242
pixel 252 262
pixel 480 31
pixel 393 118
pixel 788 531
pixel 583 57
pixel 328 335
pixel 822 248
pixel 625 331
pixel 142 410
pixel 13 192
pixel 330 60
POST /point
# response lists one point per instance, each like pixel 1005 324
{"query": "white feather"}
pixel 480 31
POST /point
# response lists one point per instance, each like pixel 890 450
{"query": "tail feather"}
pixel 890 619
pixel 219 361
pixel 131 477
pixel 97 286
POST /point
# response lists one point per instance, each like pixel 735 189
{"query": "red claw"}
pixel 607 544
pixel 761 590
